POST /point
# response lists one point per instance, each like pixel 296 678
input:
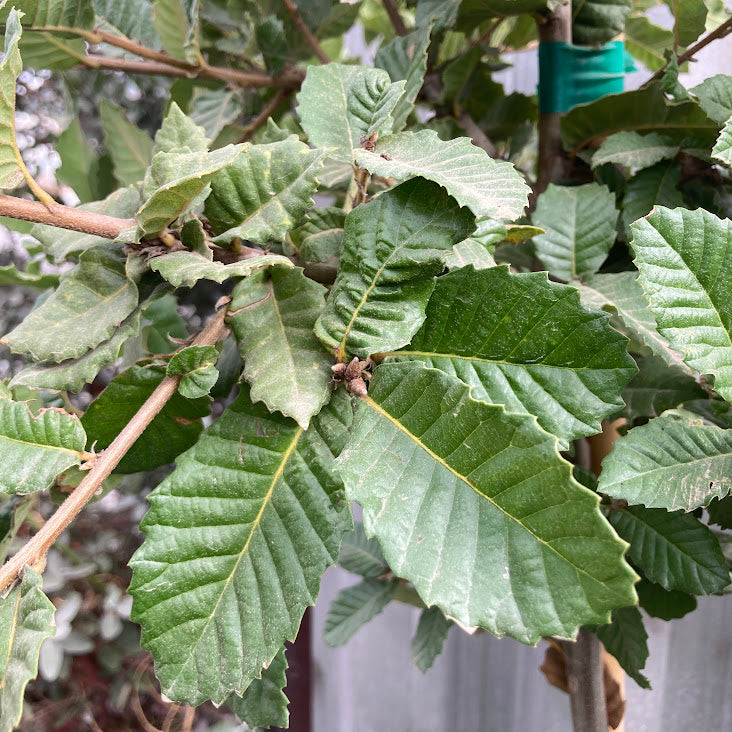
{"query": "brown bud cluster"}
pixel 354 374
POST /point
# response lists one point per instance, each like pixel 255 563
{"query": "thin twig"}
pixel 34 552
pixel 723 30
pixel 138 50
pixel 306 32
pixel 476 134
pixel 255 79
pixel 64 217
pixel 266 112
pixel 395 18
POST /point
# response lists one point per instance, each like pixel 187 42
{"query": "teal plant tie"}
pixel 571 75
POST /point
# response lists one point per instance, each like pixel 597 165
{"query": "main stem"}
pixel 585 684
pixel 34 552
pixel 556 27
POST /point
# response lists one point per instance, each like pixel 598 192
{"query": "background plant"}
pixel 467 381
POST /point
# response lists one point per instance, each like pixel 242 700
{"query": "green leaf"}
pixel 355 606
pixel 180 133
pixel 35 449
pixel 690 18
pixel 474 506
pixel 85 310
pixel 653 186
pixel 174 182
pixel 634 151
pixel 597 21
pixel 720 512
pixel 626 639
pixel 527 343
pixel 394 246
pixel 272 42
pixel 430 637
pixel 320 238
pixel 685 263
pixel 621 293
pixel 670 464
pixel 647 42
pixel 129 147
pixel 237 540
pixel 53 14
pixel 72 374
pixel 340 106
pixel 13 172
pixel 184 269
pixel 722 150
pixel 176 22
pixel 162 322
pixel 469 252
pixel 196 365
pixel 26 620
pixel 264 703
pixel 62 245
pixel 132 18
pixel 643 110
pixel 580 229
pixel 79 163
pixel 492 188
pixel 673 549
pixel 664 604
pixel 265 192
pixel 31 277
pixel 715 97
pixel 405 57
pixel 273 314
pixel 176 427
pixel 213 109
pixel 658 387
pixel 362 555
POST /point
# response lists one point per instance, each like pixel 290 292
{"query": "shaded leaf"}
pixel 184 269
pixel 643 109
pixel 213 109
pixel 273 314
pixel 689 20
pixel 132 18
pixel 35 449
pixel 595 22
pixel 527 343
pixel 264 703
pixel 394 246
pixel 674 549
pixel 658 387
pixel 664 604
pixel 657 185
pixel 626 639
pixel 265 192
pixel 669 464
pixel 196 366
pixel 355 606
pixel 85 310
pixel 129 147
pixel 647 42
pixel 444 479
pixel 79 163
pixel 469 252
pixel 237 540
pixel 492 188
pixel 340 106
pixel 26 620
pixel 321 237
pixel 720 512
pixel 176 22
pixel 634 151
pixel 715 97
pixel 685 263
pixel 362 555
pixel 430 637
pixel 580 228
pixel 174 429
